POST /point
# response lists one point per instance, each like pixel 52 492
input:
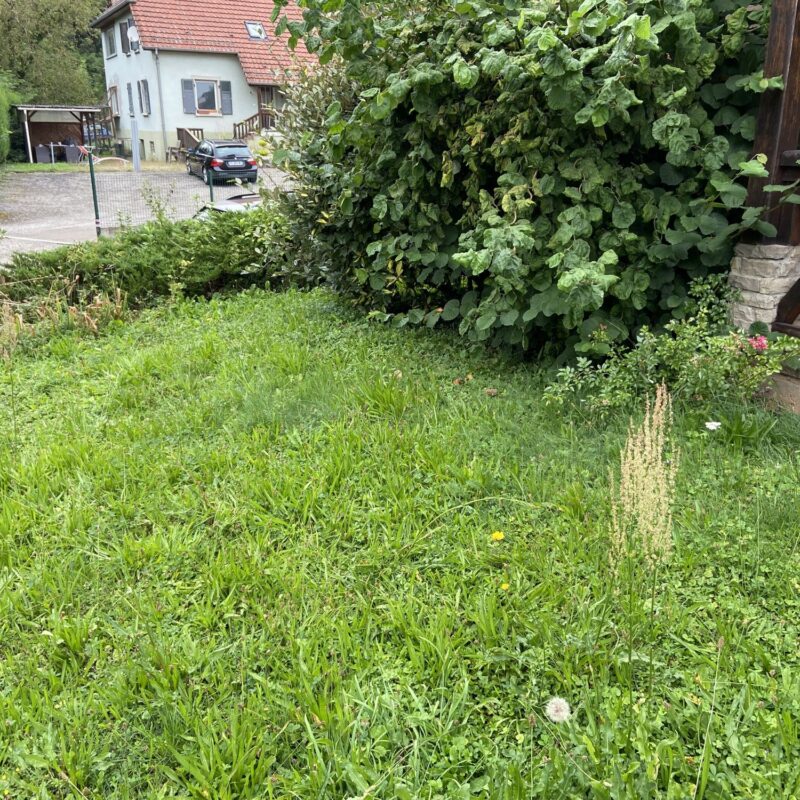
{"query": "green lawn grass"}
pixel 246 552
pixel 58 166
pixel 114 165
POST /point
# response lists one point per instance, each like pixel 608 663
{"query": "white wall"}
pixel 175 66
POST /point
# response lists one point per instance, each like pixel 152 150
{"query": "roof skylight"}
pixel 256 30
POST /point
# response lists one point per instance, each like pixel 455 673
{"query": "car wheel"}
pixel 188 168
pixel 206 176
pixel 252 180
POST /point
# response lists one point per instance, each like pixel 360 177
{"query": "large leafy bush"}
pixel 532 171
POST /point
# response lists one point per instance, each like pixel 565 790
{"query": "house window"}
pixel 205 97
pixel 144 98
pixel 113 100
pixel 111 42
pixel 123 35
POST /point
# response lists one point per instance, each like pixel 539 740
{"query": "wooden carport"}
pixel 57 122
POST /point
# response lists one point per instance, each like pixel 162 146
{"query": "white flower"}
pixel 557 710
pixel 713 426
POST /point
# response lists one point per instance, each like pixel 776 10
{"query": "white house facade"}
pixel 171 80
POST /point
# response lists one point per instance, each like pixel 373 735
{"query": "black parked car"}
pixel 221 160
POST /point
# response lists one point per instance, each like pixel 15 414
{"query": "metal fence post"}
pixel 135 152
pixel 211 187
pixel 94 192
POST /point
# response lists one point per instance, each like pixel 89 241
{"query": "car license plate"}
pixel 236 163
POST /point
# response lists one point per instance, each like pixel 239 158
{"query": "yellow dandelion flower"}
pixel 505 586
pixel 498 536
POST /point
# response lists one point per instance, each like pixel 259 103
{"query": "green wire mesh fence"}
pixel 124 197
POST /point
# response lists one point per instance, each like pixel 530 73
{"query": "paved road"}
pixel 40 211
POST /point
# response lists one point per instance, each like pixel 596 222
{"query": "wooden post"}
pixel 778 127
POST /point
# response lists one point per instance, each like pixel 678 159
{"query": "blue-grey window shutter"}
pixel 188 97
pixel 227 97
pixel 131 111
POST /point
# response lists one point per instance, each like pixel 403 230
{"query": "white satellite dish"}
pixel 133 38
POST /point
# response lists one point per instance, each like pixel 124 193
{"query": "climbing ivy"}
pixel 533 172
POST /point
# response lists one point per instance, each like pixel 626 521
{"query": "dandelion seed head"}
pixel 557 710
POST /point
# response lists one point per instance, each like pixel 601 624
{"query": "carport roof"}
pixel 78 109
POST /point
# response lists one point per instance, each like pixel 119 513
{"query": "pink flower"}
pixel 759 344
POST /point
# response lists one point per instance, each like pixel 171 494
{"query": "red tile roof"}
pixel 187 25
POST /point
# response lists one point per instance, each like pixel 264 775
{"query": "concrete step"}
pixel 784 391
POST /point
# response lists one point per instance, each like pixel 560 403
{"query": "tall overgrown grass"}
pixel 643 496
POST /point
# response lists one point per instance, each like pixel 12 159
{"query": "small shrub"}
pixel 699 358
pixel 92 315
pixel 302 125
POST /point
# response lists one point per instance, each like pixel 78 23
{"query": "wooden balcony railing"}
pixel 247 127
pixel 263 120
pixel 189 137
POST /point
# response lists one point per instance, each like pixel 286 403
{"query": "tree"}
pixel 50 50
pixel 7 97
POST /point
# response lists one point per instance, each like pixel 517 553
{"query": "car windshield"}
pixel 233 150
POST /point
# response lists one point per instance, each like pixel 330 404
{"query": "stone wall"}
pixel 763 274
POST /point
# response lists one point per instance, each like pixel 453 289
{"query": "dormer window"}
pixel 256 30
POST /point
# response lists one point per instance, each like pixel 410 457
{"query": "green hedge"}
pixel 231 250
pixel 533 172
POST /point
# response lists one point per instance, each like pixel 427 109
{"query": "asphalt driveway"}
pixel 40 211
